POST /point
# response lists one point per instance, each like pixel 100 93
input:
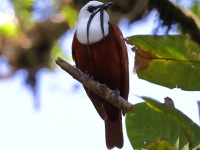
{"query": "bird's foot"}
pixel 116 93
pixel 88 76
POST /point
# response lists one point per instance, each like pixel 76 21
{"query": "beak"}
pixel 102 8
pixel 107 5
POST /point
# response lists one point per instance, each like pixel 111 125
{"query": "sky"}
pixel 65 118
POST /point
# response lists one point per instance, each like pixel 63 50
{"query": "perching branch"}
pixel 100 89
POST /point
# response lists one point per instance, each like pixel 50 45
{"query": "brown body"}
pixel 107 62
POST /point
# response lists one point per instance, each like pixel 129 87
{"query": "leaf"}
pixel 170 61
pixel 56 51
pixel 145 126
pixel 195 9
pixel 8 29
pixel 71 15
pixel 190 129
pixel 161 145
pixel 24 10
pixel 23 3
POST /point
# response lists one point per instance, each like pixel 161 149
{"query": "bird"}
pixel 99 49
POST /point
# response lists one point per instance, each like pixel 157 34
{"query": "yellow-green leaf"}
pixel 146 126
pixel 170 61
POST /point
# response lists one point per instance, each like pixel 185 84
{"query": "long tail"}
pixel 114 133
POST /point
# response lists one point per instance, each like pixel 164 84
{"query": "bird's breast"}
pixel 101 61
pixel 95 31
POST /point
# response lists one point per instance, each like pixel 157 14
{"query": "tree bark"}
pixel 100 89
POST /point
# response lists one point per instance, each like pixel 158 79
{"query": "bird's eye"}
pixel 91 9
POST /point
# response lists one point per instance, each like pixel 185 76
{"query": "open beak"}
pixel 100 9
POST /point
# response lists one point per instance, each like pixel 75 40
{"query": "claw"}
pixel 116 92
pixel 88 76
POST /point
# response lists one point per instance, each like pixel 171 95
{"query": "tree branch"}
pixel 171 13
pixel 100 89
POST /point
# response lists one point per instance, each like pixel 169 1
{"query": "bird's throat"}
pixel 100 10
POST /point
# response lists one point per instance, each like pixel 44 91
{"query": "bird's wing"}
pixel 78 50
pixel 124 58
pixel 74 47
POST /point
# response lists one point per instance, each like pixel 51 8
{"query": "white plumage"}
pixel 95 32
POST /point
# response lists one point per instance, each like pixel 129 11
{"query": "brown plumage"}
pixel 107 62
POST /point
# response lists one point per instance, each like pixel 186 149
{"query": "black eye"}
pixel 91 9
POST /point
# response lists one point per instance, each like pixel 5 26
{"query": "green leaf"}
pixel 56 51
pixel 195 9
pixel 71 15
pixel 27 4
pixel 8 29
pixel 190 129
pixel 146 125
pixel 23 9
pixel 161 145
pixel 170 61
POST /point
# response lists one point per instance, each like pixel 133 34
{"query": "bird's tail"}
pixel 114 133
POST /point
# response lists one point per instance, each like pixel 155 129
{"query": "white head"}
pixel 92 25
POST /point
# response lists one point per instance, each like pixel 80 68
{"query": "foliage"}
pixel 173 62
pixel 70 15
pixel 8 30
pixel 170 61
pixel 195 9
pixel 151 125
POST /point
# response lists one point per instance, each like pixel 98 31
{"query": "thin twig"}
pixel 100 89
